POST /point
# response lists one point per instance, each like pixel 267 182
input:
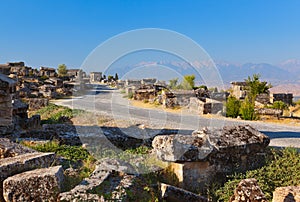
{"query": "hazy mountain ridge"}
pixel 287 72
pixel 268 72
pixel 291 65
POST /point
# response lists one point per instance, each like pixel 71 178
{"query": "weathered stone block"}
pixel 210 145
pixel 36 185
pixel 248 190
pixel 182 148
pixel 175 194
pixel 37 103
pixel 208 155
pixel 193 176
pixel 21 163
pixel 287 194
pixel 11 149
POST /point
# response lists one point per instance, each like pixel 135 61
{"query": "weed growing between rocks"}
pixel 52 114
pixel 75 158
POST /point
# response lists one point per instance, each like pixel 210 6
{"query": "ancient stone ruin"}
pixel 211 154
pixel 7 89
pixel 16 159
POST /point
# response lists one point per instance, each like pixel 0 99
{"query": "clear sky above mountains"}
pixel 51 32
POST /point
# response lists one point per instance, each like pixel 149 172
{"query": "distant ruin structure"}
pixel 7 90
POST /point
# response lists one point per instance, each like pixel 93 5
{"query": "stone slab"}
pixel 37 185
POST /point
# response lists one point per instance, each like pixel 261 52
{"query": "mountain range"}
pixel 285 72
pixel 285 76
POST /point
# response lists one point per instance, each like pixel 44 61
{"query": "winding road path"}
pixel 111 102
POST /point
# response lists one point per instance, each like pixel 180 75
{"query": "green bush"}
pixel 130 95
pixel 247 110
pixel 232 107
pixel 188 82
pixel 279 105
pixel 283 169
pixel 73 153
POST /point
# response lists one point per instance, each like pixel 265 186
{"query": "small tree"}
pixel 255 86
pixel 247 109
pixel 188 82
pixel 232 107
pixel 279 105
pixel 173 83
pixel 62 70
pixel 110 78
pixel 116 77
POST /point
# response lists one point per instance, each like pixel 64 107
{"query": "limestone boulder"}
pixel 248 190
pixel 14 165
pixel 210 144
pixel 37 185
pixel 287 194
pixel 24 162
pixel 243 137
pixel 179 148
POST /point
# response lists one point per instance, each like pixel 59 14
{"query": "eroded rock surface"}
pixel 82 192
pixel 248 190
pixel 11 149
pixel 24 162
pixel 14 165
pixel 104 184
pixel 179 148
pixel 175 194
pixel 36 185
pixel 210 154
pixel 287 194
pixel 201 145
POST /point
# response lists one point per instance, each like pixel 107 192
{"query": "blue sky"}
pixel 51 32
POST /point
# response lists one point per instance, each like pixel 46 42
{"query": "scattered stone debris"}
pixel 84 189
pixel 287 194
pixel 170 193
pixel 36 185
pixel 248 190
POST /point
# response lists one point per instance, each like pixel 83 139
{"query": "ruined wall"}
pixel 208 107
pixel 7 88
pixel 284 97
pixel 183 96
pixel 239 90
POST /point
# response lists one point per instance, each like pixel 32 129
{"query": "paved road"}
pixel 109 101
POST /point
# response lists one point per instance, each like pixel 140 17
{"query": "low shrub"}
pixel 283 169
pixel 233 107
pixel 279 105
pixel 247 110
pixel 52 113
